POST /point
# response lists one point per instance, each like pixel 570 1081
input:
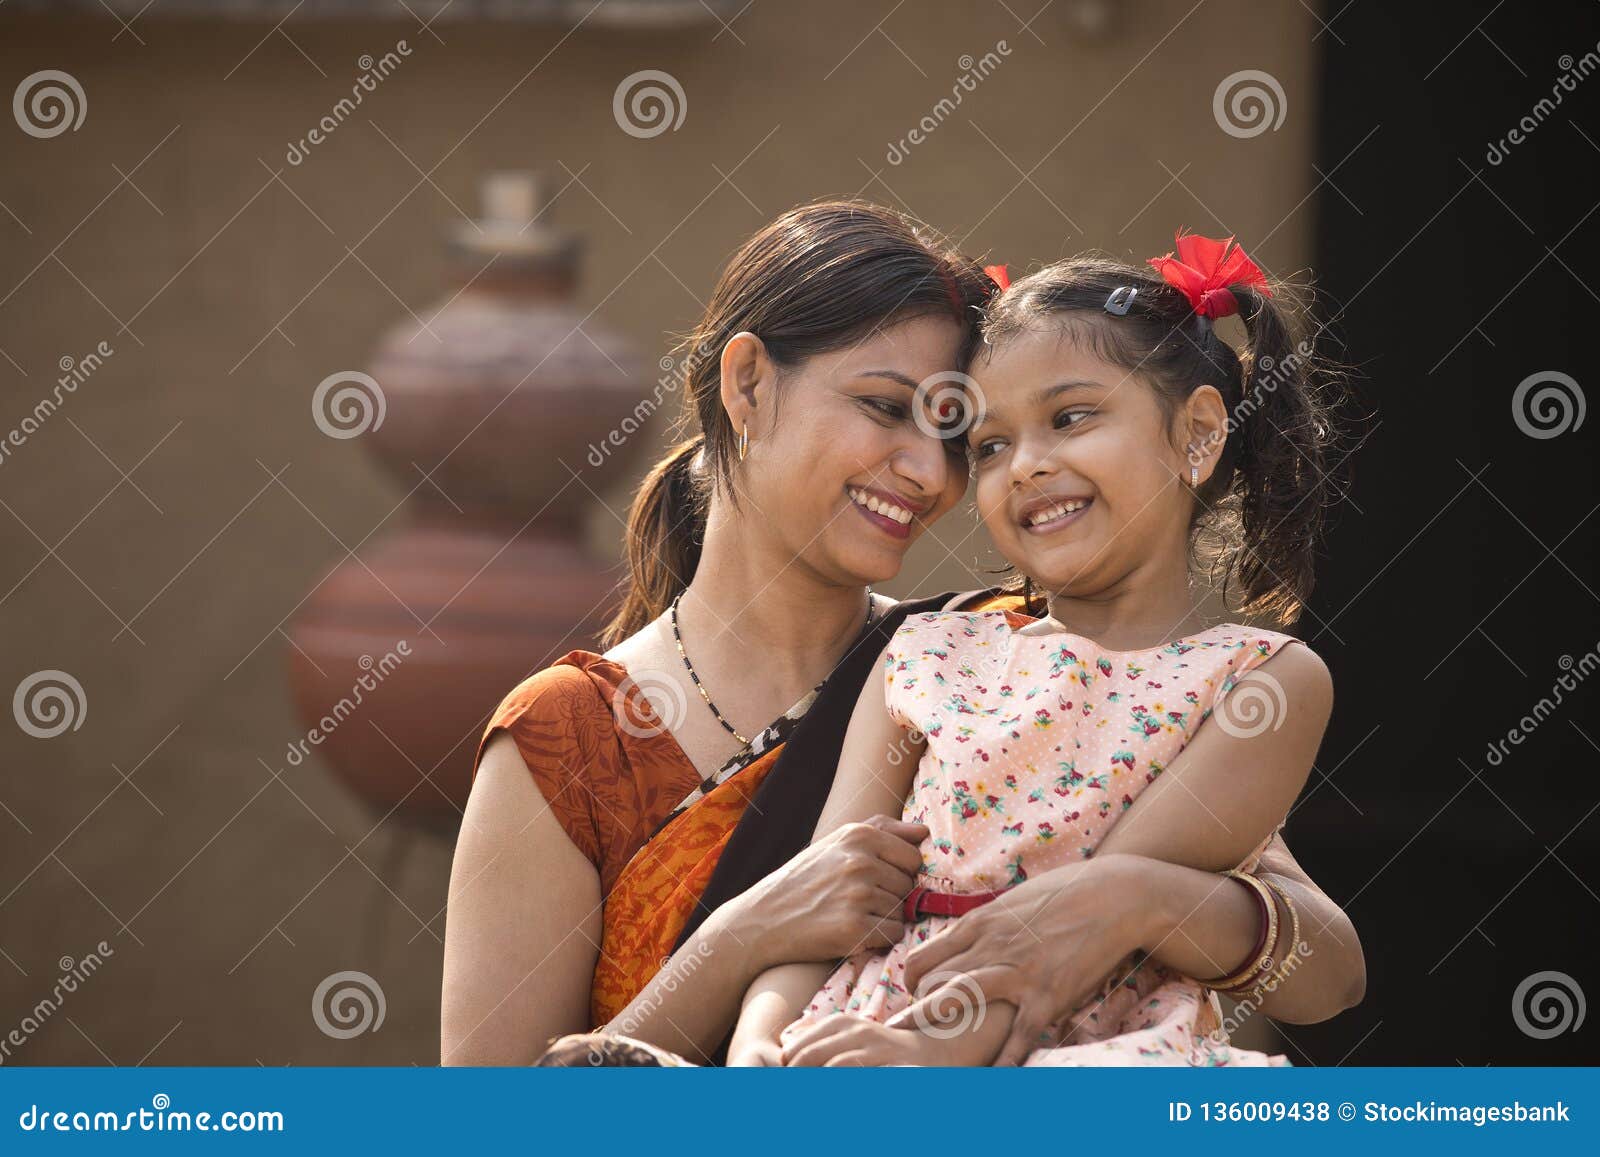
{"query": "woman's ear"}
pixel 747 373
pixel 1206 420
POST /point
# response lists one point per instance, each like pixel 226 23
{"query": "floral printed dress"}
pixel 1036 745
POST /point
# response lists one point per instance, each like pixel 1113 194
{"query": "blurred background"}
pixel 334 335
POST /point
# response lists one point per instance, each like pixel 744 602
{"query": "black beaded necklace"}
pixel 677 637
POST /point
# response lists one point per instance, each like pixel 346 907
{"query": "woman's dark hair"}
pixel 1259 515
pixel 817 279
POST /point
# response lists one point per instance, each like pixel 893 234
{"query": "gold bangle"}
pixel 1254 966
pixel 1273 973
pixel 1292 956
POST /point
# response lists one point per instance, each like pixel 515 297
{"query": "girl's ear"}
pixel 747 375
pixel 1205 419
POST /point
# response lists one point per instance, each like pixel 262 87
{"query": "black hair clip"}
pixel 1121 300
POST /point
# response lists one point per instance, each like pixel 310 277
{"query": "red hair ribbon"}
pixel 998 275
pixel 1204 268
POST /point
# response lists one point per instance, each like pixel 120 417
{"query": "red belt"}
pixel 926 902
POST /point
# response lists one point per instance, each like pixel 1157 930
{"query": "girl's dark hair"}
pixel 817 279
pixel 1259 515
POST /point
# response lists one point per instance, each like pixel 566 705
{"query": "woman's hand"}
pixel 840 896
pixel 1042 947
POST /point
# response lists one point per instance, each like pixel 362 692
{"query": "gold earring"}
pixel 744 440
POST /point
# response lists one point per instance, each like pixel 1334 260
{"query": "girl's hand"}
pixel 1042 947
pixel 843 1040
pixel 840 896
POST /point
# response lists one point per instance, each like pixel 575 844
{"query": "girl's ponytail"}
pixel 666 526
pixel 1284 428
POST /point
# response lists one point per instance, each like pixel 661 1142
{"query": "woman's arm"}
pixel 522 924
pixel 524 927
pixel 876 765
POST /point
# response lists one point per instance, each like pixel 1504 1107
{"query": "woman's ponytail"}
pixel 666 527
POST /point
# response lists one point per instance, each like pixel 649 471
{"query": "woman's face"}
pixel 1078 480
pixel 846 477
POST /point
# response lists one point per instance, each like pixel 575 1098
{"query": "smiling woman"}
pixel 635 849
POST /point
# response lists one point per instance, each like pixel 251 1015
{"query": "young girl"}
pixel 1112 428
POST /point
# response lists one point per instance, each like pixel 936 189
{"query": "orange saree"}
pixel 632 801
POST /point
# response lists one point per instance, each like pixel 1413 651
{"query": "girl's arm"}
pixel 876 765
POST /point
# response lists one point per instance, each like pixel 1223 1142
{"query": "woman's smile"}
pixel 890 515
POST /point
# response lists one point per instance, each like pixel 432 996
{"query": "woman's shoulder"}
pixel 577 685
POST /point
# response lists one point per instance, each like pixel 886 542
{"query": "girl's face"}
pixel 1079 482
pixel 845 439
